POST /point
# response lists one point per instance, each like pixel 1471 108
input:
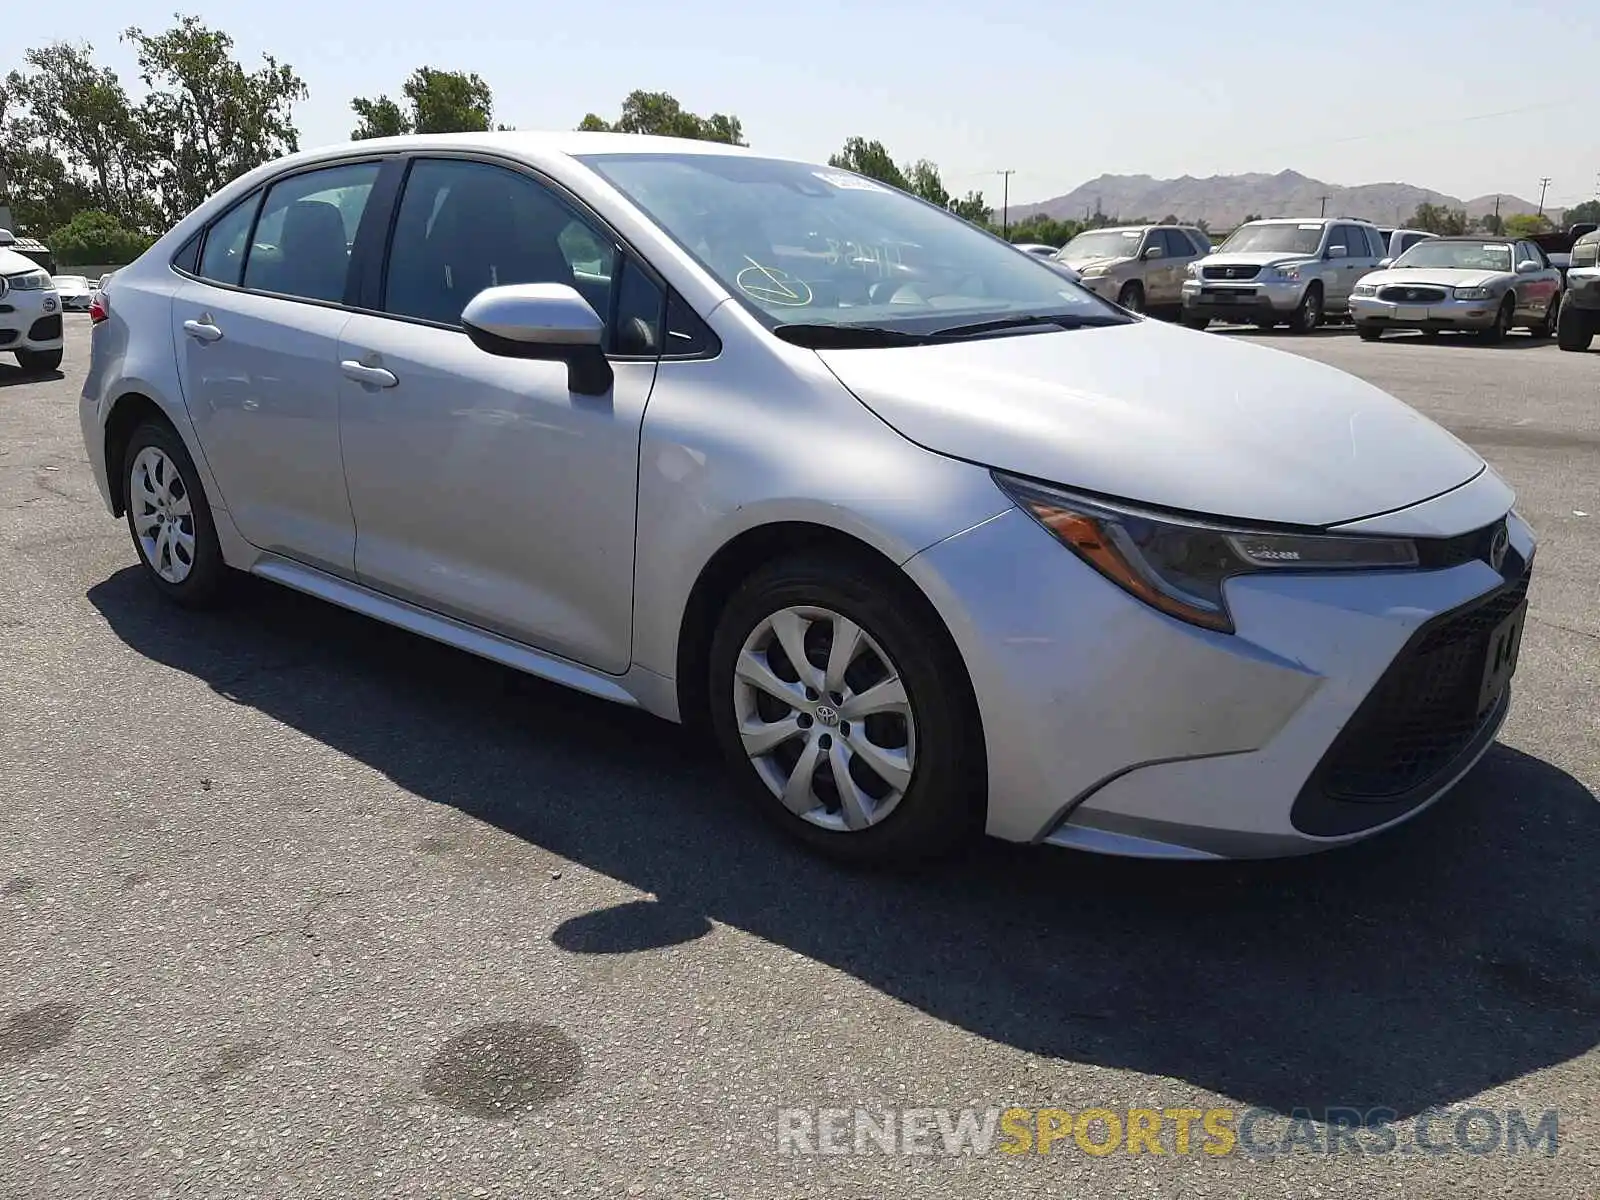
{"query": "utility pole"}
pixel 1543 184
pixel 1005 201
pixel 1324 200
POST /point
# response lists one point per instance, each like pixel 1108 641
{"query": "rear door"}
pixel 257 334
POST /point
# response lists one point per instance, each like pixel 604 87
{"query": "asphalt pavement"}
pixel 294 904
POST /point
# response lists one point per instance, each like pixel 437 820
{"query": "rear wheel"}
pixel 37 362
pixel 1552 318
pixel 170 519
pixel 1309 315
pixel 1576 329
pixel 842 708
pixel 1368 332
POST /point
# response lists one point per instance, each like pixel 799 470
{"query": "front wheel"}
pixel 170 519
pixel 1552 317
pixel 38 362
pixel 1309 314
pixel 843 710
pixel 1502 322
pixel 1368 332
pixel 1577 328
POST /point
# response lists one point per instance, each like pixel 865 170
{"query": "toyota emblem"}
pixel 1498 546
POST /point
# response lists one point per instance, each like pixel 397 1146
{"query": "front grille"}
pixel 1412 295
pixel 1213 291
pixel 7 336
pixel 1238 271
pixel 45 328
pixel 1424 711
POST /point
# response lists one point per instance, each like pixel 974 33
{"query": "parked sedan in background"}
pixel 1485 285
pixel 75 292
pixel 1138 266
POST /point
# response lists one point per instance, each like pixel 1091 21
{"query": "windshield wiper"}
pixel 1059 320
pixel 846 337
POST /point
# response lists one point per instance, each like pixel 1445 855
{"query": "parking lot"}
pixel 292 903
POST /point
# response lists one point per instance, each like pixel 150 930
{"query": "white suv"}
pixel 1282 271
pixel 30 310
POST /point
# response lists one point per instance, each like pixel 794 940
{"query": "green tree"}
pixel 922 179
pixel 1589 210
pixel 660 113
pixel 872 160
pixel 436 102
pixel 1493 223
pixel 1045 230
pixel 205 119
pixel 1526 225
pixel 79 113
pixel 93 236
pixel 971 207
pixel 1436 218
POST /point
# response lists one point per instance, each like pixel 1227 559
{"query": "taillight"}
pixel 99 308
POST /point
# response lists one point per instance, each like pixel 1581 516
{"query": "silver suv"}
pixel 1138 266
pixel 1282 271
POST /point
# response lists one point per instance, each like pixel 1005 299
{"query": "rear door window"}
pixel 308 223
pixel 222 260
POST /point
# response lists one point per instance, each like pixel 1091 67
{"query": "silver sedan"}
pixel 1483 284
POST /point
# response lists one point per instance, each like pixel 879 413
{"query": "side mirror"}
pixel 1384 263
pixel 1338 252
pixel 7 238
pixel 1154 252
pixel 548 321
pixel 1527 267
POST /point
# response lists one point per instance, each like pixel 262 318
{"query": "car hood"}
pixel 1442 276
pixel 1257 258
pixel 12 263
pixel 1165 416
pixel 1100 260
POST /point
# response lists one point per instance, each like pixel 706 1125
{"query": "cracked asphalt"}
pixel 293 904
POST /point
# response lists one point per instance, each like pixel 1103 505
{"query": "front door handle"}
pixel 370 376
pixel 202 330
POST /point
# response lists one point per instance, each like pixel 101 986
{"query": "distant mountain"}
pixel 1223 201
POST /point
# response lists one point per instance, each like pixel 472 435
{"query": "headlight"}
pixel 1194 270
pixel 1178 565
pixel 1473 293
pixel 31 281
pixel 1093 272
pixel 1288 271
pixel 1364 289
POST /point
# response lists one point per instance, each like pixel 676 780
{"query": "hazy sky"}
pixel 1354 92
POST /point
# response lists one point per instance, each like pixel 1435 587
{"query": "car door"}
pixel 482 487
pixel 1180 252
pixel 1536 291
pixel 256 334
pixel 1356 263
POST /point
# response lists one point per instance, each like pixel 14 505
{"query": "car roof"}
pixel 535 144
pixel 1309 221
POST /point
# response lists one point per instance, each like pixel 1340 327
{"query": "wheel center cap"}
pixel 827 715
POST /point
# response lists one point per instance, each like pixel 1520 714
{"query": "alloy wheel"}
pixel 163 519
pixel 824 718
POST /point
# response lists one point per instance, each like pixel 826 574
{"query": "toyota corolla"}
pixel 931 540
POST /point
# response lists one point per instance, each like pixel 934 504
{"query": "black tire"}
pixel 1131 297
pixel 1496 333
pixel 1576 329
pixel 1194 321
pixel 38 362
pixel 942 807
pixel 1368 332
pixel 207 577
pixel 1552 317
pixel 1309 314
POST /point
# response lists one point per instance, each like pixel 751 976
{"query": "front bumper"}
pixel 1245 300
pixel 1112 727
pixel 1446 314
pixel 30 321
pixel 1583 289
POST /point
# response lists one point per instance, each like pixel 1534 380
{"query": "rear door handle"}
pixel 370 376
pixel 202 331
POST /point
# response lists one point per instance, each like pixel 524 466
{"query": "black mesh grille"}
pixel 7 336
pixel 1424 711
pixel 1236 271
pixel 45 328
pixel 1412 295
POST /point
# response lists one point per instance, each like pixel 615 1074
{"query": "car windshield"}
pixel 1467 256
pixel 1102 243
pixel 800 244
pixel 1284 239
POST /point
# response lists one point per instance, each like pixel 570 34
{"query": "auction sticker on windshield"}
pixel 853 183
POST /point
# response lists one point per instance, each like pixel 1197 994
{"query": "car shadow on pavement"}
pixel 1414 970
pixel 16 377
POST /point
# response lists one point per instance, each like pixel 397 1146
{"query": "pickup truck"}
pixel 1557 245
